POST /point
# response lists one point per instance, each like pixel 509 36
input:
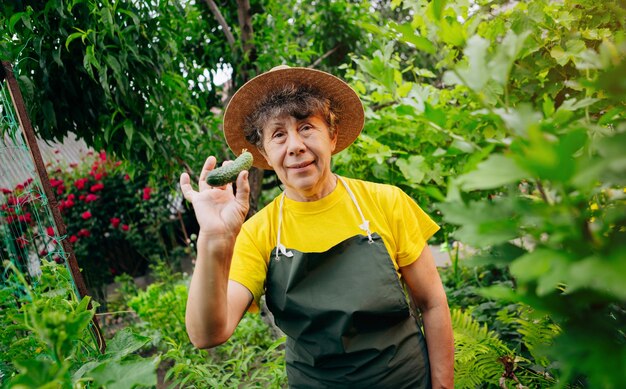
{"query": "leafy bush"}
pixel 513 120
pixel 115 223
pixel 482 359
pixel 251 358
pixel 46 340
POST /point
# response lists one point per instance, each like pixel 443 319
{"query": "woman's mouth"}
pixel 301 165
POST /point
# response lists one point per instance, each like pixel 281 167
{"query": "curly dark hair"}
pixel 299 102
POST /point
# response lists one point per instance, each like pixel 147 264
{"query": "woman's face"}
pixel 299 150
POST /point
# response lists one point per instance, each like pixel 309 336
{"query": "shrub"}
pixel 115 223
pixel 46 341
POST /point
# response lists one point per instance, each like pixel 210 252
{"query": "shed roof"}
pixel 16 165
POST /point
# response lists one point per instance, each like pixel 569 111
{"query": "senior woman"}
pixel 330 253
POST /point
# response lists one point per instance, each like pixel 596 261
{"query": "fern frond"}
pixel 477 352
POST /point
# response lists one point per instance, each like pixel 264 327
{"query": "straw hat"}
pixel 344 100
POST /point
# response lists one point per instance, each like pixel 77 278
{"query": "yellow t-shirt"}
pixel 317 226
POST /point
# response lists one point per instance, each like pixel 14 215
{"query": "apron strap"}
pixel 280 249
pixel 365 225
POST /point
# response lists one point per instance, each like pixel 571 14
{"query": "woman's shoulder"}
pixel 375 190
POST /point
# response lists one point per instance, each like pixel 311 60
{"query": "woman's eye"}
pixel 278 134
pixel 305 127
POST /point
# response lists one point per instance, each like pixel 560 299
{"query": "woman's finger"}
pixel 185 186
pixel 243 189
pixel 209 165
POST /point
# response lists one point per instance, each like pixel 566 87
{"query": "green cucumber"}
pixel 228 173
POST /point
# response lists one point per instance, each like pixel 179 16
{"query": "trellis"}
pixel 31 225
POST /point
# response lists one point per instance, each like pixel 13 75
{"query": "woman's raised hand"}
pixel 220 213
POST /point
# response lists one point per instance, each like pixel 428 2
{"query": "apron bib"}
pixel 346 317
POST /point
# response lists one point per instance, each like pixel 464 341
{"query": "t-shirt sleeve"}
pixel 249 267
pixel 412 228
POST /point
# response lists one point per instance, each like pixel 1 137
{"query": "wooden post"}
pixel 40 168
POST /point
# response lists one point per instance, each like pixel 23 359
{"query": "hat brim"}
pixel 346 104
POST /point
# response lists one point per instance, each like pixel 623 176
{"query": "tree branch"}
pixel 326 54
pixel 220 19
pixel 245 25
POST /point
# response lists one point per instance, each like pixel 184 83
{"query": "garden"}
pixel 504 120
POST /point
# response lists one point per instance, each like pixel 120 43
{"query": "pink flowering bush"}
pixel 116 224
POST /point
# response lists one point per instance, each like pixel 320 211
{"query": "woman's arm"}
pixel 215 305
pixel 424 283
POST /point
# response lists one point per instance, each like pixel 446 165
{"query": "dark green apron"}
pixel 346 317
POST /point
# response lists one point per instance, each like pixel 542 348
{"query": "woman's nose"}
pixel 295 144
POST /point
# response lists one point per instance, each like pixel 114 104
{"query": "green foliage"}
pixel 482 359
pixel 568 211
pixel 47 342
pixel 251 358
pixel 476 351
pixel 515 125
pixel 112 72
pixel 115 223
pixel 142 79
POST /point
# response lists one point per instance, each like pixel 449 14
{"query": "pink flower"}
pixel 68 204
pixel 80 183
pixel 21 200
pixel 126 177
pixel 97 187
pixel 60 189
pixel 115 221
pixel 71 197
pixel 146 193
pixel 26 218
pixel 73 165
pixel 103 155
pixel 81 197
pixel 98 176
pixel 84 233
pixel 6 191
pixel 73 239
pixel 21 241
pixel 91 197
pixel 85 215
pixel 54 182
pixel 125 227
pixel 50 231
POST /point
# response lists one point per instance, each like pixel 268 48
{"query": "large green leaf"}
pixel 605 274
pixel 126 374
pixel 125 342
pixel 545 268
pixel 481 224
pixel 506 53
pixel 412 168
pixel 475 73
pixel 496 171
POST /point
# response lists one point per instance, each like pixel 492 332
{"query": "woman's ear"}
pixel 333 141
pixel 264 156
